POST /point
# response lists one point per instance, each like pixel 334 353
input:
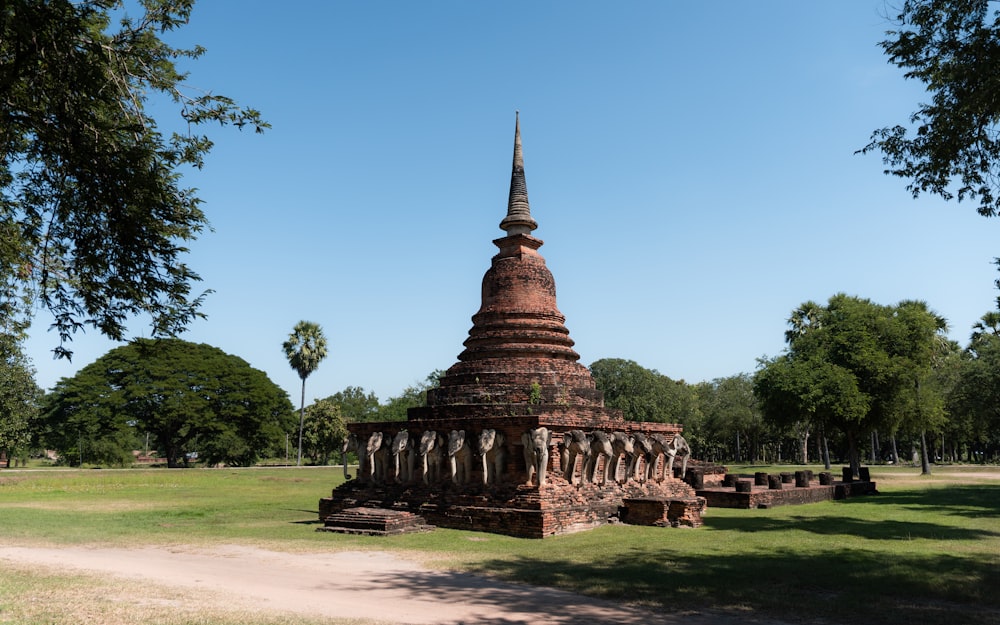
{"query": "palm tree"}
pixel 305 348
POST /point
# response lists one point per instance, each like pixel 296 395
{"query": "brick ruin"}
pixel 516 439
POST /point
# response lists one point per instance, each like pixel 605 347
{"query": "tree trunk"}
pixel 302 418
pixel 925 464
pixel 738 454
pixel 895 451
pixel 853 454
pixel 826 452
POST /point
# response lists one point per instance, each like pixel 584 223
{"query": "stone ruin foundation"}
pixel 516 440
pixel 764 490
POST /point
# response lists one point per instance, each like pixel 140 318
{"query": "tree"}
pixel 93 218
pixel 731 414
pixel 356 405
pixel 975 398
pixel 643 394
pixel 395 409
pixel 952 145
pixel 189 397
pixel 19 398
pixel 305 349
pixel 856 367
pixel 324 430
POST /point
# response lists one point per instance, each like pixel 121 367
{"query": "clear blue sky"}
pixel 691 167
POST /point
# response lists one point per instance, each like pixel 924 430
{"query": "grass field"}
pixel 926 550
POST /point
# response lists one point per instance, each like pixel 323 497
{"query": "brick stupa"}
pixel 516 439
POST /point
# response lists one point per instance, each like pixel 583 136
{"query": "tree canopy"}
pixel 643 394
pixel 854 366
pixel 950 146
pixel 189 397
pixel 324 430
pixel 94 220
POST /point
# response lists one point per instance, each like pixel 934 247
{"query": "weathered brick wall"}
pixel 515 509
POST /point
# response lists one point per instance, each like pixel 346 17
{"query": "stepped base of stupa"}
pixel 600 489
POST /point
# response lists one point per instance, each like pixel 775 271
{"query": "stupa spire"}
pixel 518 219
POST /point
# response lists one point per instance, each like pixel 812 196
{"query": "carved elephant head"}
pixel 367 456
pixel 402 459
pixel 459 456
pixel 678 447
pixel 622 443
pixel 429 451
pixel 600 446
pixel 486 440
pixel 456 440
pixel 492 454
pixel 427 442
pixel 536 443
pixel 374 442
pixel 576 444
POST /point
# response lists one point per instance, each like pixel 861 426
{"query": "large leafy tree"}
pixel 305 349
pixel 951 145
pixel 643 394
pixel 324 430
pixel 190 397
pixel 94 220
pixel 855 366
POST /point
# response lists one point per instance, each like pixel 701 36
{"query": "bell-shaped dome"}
pixel 518 349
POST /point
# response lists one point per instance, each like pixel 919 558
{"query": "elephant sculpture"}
pixel 576 444
pixel 641 455
pixel 493 455
pixel 401 452
pixel 678 447
pixel 661 448
pixel 380 459
pixel 536 443
pixel 600 447
pixel 367 469
pixel 459 457
pixel 431 453
pixel 622 446
pixel 350 444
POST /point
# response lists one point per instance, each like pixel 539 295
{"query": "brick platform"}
pixel 374 522
pixel 764 496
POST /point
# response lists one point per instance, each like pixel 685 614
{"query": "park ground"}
pixel 192 566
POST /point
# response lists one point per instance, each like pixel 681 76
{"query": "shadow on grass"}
pixel 974 500
pixel 859 587
pixel 313 521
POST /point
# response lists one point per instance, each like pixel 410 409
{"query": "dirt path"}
pixel 375 585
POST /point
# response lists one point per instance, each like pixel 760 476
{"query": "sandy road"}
pixel 376 585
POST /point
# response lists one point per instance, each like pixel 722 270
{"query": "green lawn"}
pixel 926 550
